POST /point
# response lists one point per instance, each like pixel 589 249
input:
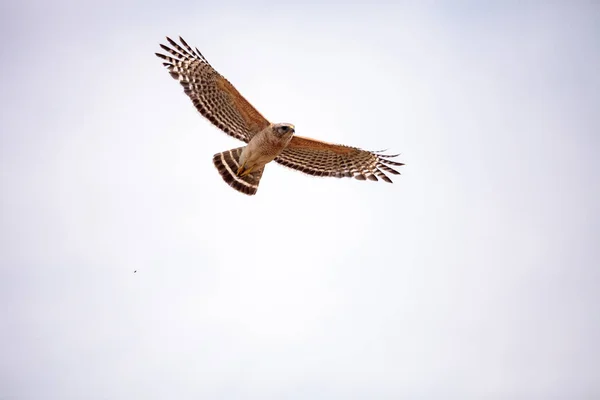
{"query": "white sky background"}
pixel 475 275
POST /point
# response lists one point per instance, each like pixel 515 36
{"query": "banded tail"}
pixel 227 163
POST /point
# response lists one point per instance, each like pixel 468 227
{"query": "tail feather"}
pixel 227 163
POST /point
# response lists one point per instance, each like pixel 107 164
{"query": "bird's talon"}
pixel 240 170
pixel 246 172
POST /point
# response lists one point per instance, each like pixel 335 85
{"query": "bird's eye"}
pixel 284 129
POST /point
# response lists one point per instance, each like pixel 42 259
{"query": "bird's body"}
pixel 242 168
pixel 266 145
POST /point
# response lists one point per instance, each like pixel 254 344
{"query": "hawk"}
pixel 242 167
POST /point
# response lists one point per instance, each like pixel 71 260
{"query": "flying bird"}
pixel 219 101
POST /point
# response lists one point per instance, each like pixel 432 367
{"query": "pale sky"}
pixel 476 275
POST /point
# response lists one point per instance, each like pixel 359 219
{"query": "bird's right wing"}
pixel 325 159
pixel 212 94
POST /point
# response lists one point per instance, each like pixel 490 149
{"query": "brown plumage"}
pixel 227 164
pixel 218 101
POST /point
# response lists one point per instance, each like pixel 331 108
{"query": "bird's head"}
pixel 283 130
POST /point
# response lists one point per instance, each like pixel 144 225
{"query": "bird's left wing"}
pixel 324 159
pixel 212 94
